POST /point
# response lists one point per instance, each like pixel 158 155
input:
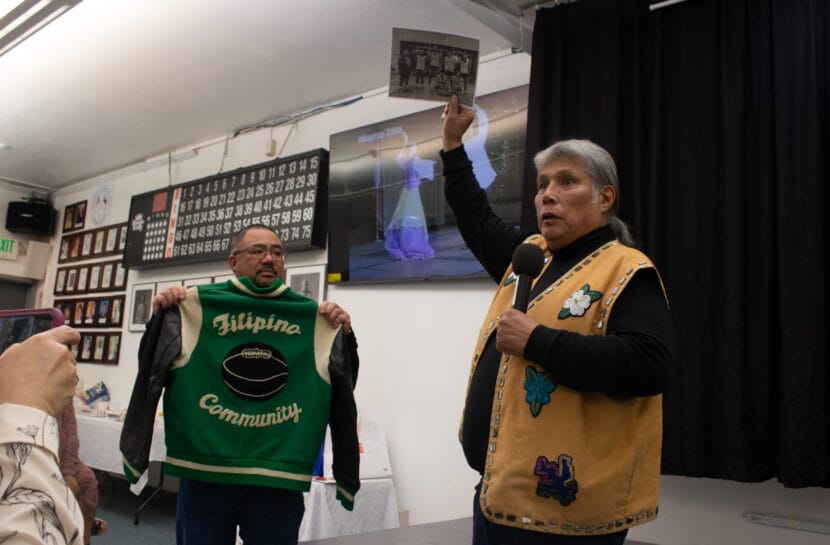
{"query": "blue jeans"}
pixel 490 533
pixel 208 514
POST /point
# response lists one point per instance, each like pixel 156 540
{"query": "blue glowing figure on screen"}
pixel 407 238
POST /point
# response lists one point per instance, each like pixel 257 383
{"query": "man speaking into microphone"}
pixel 563 414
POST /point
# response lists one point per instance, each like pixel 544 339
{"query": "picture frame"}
pixel 83 274
pixel 60 281
pixel 106 275
pixel 161 286
pixel 71 280
pixel 94 277
pixel 119 279
pixel 98 242
pixel 141 305
pixel 79 216
pixel 122 238
pixel 193 282
pixel 77 313
pixel 64 253
pixel 100 343
pixel 86 245
pixel 74 216
pixel 116 316
pixel 74 247
pixel 103 312
pixel 113 348
pixel 309 281
pixel 90 311
pixel 85 350
pixel 112 240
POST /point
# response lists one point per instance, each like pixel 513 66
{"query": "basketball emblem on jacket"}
pixel 255 371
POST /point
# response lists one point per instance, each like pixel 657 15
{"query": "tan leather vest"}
pixel 560 460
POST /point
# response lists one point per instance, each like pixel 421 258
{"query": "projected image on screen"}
pixel 388 220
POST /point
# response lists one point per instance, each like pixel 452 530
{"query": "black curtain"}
pixel 717 115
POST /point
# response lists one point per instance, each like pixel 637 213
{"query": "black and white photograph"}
pixel 94 277
pixel 71 279
pixel 100 341
pixel 106 276
pixel 86 247
pixel 98 246
pixel 83 273
pixel 112 240
pixel 142 306
pixel 113 342
pixel 122 238
pixel 433 66
pixel 86 347
pixel 120 278
pixel 60 280
pixel 309 281
pixel 115 311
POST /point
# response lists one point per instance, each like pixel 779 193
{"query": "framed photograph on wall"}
pixel 64 253
pixel 86 245
pixel 100 343
pixel 116 311
pixel 103 311
pixel 74 216
pixel 122 238
pixel 94 278
pixel 142 306
pixel 86 347
pixel 112 240
pixel 71 280
pixel 83 274
pixel 161 286
pixel 77 313
pixel 98 242
pixel 113 345
pixel 309 281
pixel 192 282
pixel 106 276
pixel 79 219
pixel 74 247
pixel 120 278
pixel 60 281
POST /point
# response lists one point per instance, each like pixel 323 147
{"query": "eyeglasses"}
pixel 258 252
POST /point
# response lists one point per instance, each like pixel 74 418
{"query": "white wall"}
pixel 415 345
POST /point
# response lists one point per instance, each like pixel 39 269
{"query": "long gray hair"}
pixel 600 167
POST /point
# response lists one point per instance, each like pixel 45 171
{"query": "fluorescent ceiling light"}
pixel 19 19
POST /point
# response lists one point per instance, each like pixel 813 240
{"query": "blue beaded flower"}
pixel 539 386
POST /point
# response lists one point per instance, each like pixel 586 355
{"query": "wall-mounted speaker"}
pixel 34 218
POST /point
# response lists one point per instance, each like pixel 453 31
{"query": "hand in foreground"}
pixel 513 329
pixel 335 315
pixel 40 372
pixel 169 297
pixel 457 119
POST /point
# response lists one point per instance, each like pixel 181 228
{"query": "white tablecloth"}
pixel 376 508
pixel 99 438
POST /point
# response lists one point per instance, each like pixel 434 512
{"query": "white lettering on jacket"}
pixel 246 321
pixel 280 415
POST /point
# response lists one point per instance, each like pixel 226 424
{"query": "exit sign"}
pixel 8 248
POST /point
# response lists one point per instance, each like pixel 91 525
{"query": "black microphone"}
pixel 528 260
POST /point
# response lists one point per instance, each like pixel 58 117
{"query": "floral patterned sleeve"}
pixel 36 506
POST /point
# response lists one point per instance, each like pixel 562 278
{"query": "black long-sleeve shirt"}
pixel 633 357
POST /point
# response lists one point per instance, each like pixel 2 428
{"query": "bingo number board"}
pixel 194 221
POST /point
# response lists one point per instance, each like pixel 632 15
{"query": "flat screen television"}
pixel 388 219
